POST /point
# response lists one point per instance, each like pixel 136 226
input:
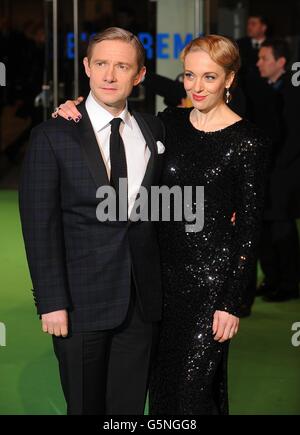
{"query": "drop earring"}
pixel 227 95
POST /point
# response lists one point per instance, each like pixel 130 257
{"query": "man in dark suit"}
pixel 280 252
pixel 276 104
pixel 249 46
pixel 96 284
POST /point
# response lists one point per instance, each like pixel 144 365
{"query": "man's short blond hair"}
pixel 118 34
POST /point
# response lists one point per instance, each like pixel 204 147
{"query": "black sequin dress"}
pixel 208 270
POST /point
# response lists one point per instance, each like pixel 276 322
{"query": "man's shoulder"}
pixel 54 132
pixel 290 84
pixel 244 42
pixel 153 122
pixel 148 117
pixel 53 125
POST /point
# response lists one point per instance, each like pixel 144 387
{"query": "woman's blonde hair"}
pixel 222 50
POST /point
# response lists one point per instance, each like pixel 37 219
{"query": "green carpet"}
pixel 264 369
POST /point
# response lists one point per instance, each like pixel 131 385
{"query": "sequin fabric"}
pixel 207 270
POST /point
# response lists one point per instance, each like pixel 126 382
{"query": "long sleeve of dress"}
pixel 251 169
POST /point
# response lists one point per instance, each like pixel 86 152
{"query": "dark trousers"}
pixel 106 372
pixel 279 256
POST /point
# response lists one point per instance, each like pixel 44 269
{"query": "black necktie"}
pixel 117 159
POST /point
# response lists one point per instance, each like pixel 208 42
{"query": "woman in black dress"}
pixel 206 273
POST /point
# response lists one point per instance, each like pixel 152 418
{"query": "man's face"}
pixel 113 71
pixel 267 64
pixel 255 28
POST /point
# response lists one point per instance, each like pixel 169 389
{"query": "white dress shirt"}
pixel 136 149
pixel 256 43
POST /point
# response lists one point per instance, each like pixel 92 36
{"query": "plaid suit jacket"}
pixel 76 262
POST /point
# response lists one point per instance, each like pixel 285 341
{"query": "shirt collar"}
pixel 278 82
pixel 100 117
pixel 256 41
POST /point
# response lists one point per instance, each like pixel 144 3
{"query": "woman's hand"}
pixel 225 326
pixel 68 110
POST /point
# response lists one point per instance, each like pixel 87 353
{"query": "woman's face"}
pixel 205 80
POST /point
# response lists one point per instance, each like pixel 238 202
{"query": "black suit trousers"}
pixel 107 372
pixel 280 254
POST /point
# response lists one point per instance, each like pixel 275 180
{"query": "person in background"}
pixel 277 105
pixel 249 46
pixel 29 85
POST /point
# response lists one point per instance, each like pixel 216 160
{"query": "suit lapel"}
pixel 91 149
pixel 151 143
pixel 150 169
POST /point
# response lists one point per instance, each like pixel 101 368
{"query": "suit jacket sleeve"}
pixel 39 200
